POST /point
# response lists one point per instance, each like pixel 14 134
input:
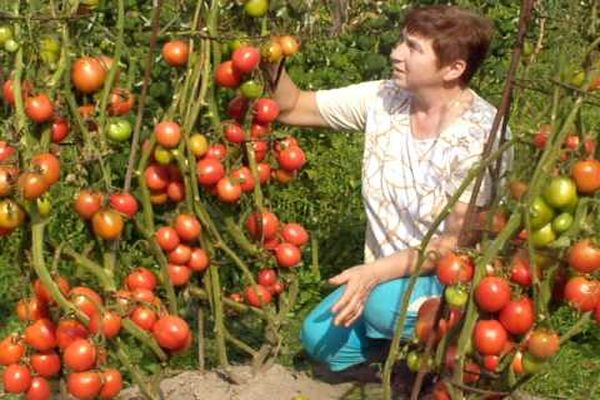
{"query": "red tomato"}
pixel 234 132
pixel 68 330
pixel 440 392
pixel 88 74
pixel 11 349
pixel 209 170
pixel 228 191
pixel 60 129
pixel 84 385
pixel 109 324
pixel 267 277
pixel 176 191
pixel 264 172
pixel 167 238
pixel 237 108
pixel 6 151
pixel 572 142
pixel 265 110
pixel 171 332
pixel 88 203
pixel 120 102
pixel 188 227
pixel 582 293
pixel 16 378
pixel 41 335
pixel 107 224
pixel 245 59
pixel 124 203
pixel 198 260
pixel 48 166
pixel 144 317
pixel 145 296
pixel 176 53
pixel 39 389
pixel 584 256
pixel 541 137
pixel 46 364
pixel 180 255
pixel 112 383
pixel 244 177
pixel 260 147
pixel 168 134
pixel 217 150
pixel 489 337
pixel 258 130
pixel 156 177
pixel 39 108
pixel 294 234
pixel 543 344
pixel 227 76
pixel 141 278
pixel 32 185
pixel 285 143
pixel 287 255
pixel 257 296
pixel 518 316
pixel 9 94
pixel 586 174
pixel 86 299
pixel 263 226
pixel 277 288
pixel 491 362
pixel 453 268
pixel 492 293
pixel 179 274
pixel 291 159
pixel 31 309
pixel 521 271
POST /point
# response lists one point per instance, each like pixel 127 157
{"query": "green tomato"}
pixel 456 296
pixel 11 45
pixel 5 34
pixel 540 213
pixel 256 8
pixel 44 205
pixel 413 361
pixel 543 236
pixel 577 78
pixel 162 155
pixel 119 130
pixel 562 222
pixel 531 365
pixel 49 50
pixel 561 192
pixel 251 89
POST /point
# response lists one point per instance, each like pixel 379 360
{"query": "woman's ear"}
pixel 454 70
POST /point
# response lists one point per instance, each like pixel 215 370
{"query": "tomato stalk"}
pixel 106 281
pixel 136 374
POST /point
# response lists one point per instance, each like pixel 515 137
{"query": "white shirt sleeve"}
pixel 346 108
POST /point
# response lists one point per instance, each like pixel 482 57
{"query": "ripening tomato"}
pixel 156 177
pixel 271 52
pixel 287 255
pixel 68 330
pixel 32 185
pixel 267 277
pixel 109 323
pixel 88 203
pixel 453 268
pixel 180 255
pixel 456 296
pixel 16 378
pixel 209 171
pixel 176 191
pixel 265 110
pixel 179 274
pixel 125 203
pixel 112 383
pixel 295 234
pixel 6 151
pixel 39 389
pixel 80 355
pixel 581 293
pixel 198 260
pixel 489 337
pixel 257 296
pixel 244 177
pixel 251 89
pixel 586 174
pixel 492 293
pixel 60 129
pixel 167 238
pixel 176 53
pixel 39 108
pixel 227 75
pixel 187 227
pixel 107 224
pixel 264 172
pixel 245 59
pixel 584 256
pixel 9 94
pixel 120 102
pixel 86 299
pixel 228 190
pixel 543 343
pixel 12 349
pixel 237 108
pixel 258 130
pixel 11 214
pixel 291 159
pixel 198 145
pixel 256 8
pixel 32 309
pixel 144 317
pixel 518 316
pixel 234 132
pixel 289 45
pixel 168 134
pixel 262 226
pixel 84 385
pixel 520 271
pixel 171 332
pixel 41 335
pixel 88 74
pixel 141 278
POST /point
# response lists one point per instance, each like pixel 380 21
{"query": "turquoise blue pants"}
pixel 340 347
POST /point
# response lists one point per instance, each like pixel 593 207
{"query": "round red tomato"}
pixel 176 191
pixel 262 226
pixel 584 256
pixel 109 324
pixel 68 330
pixel 198 260
pixel 228 190
pixel 124 203
pixel 257 296
pixel 234 132
pixel 11 350
pixel 267 277
pixel 171 332
pixel 188 227
pixel 217 150
pixel 582 293
pixel 156 177
pixel 245 59
pixel 39 389
pixel 112 383
pixel 237 108
pixel 287 255
pixel 291 159
pixel 107 224
pixel 244 177
pixel 32 185
pixel 586 174
pixel 543 344
pixel 46 364
pixel 180 255
pixel 84 385
pixel 144 317
pixel 88 74
pixel 227 76
pixel 492 293
pixel 39 108
pixel 264 172
pixel 489 337
pixel 120 102
pixel 209 171
pixel 48 166
pixel 179 274
pixel 141 278
pixel 168 134
pixel 294 234
pixel 520 271
pixel 16 378
pixel 176 53
pixel 518 316
pixel 167 238
pixel 60 130
pixel 41 335
pixel 265 110
pixel 86 299
pixel 88 203
pixel 258 130
pixel 454 268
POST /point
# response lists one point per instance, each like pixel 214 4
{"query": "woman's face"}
pixel 415 65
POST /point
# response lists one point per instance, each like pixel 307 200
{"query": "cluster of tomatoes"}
pixel 107 220
pixel 178 242
pixel 21 190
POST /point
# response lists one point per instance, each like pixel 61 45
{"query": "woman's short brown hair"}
pixel 457 34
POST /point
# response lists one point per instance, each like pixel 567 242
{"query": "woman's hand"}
pixel 359 280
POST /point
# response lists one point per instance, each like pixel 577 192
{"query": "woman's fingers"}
pixel 357 313
pixel 339 279
pixel 343 301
